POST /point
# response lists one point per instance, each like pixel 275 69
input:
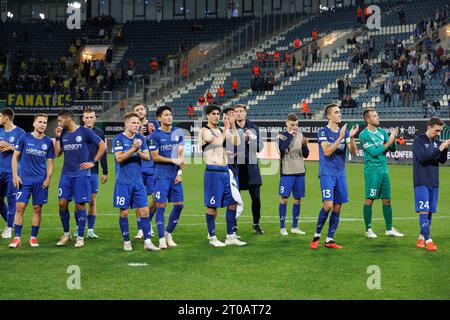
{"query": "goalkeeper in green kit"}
pixel 375 142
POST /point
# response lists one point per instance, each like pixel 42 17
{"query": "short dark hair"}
pixel 328 108
pixel 292 117
pixel 160 110
pixel 88 110
pixel 211 108
pixel 435 121
pixel 130 115
pixel 366 113
pixel 40 115
pixel 8 112
pixel 66 114
pixel 224 111
pixel 135 105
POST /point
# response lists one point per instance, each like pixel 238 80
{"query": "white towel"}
pixel 236 194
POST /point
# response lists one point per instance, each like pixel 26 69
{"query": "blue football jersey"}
pixel 33 157
pixel 10 137
pixel 130 170
pixel 333 165
pixel 75 146
pixel 148 166
pixel 167 144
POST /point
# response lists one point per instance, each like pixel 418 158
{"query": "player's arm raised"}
pixel 122 156
pixel 58 133
pixel 444 151
pixel 423 154
pixel 14 167
pixel 231 132
pixel 351 140
pixel 328 149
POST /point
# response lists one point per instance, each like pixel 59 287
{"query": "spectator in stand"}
pixel 209 97
pixel 348 102
pixel 359 15
pixel 256 70
pixel 341 88
pixel 122 106
pixel 401 16
pixel 348 86
pixel 396 91
pixel 446 82
pixel 259 57
pixel 421 87
pixel 191 111
pixel 154 67
pixel 265 59
pixel 314 34
pixel 201 101
pixel 406 90
pixel 234 86
pixel 276 58
pixel 287 57
pixel 220 92
pixel 401 140
pixel 388 90
pixel 306 111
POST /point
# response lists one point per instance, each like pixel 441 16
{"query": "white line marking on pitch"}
pixel 137 264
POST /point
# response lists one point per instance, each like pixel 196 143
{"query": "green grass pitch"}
pixel 269 267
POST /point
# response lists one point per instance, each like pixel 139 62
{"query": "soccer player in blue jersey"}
pixel 166 146
pixel 293 148
pixel 89 119
pixel 146 128
pixel 428 152
pixel 9 135
pixel 75 182
pixel 333 144
pixel 130 148
pixel 217 186
pixel 35 153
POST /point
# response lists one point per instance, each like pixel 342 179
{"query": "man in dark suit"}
pixel 249 176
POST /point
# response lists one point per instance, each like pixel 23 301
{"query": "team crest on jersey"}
pixel 322 134
pixel 44 147
pixel 117 143
pixel 11 139
pixel 79 139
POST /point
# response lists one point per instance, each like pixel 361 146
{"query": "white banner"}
pixel 4 9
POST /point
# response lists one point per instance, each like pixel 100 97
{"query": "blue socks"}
pixel 282 213
pixel 334 221
pixel 34 231
pixel 138 222
pixel 174 217
pixel 81 222
pixel 430 215
pixel 231 220
pixel 295 215
pixel 17 230
pixel 3 210
pixel 211 223
pixel 323 215
pixel 159 221
pixel 65 217
pixel 91 221
pixel 145 223
pixel 11 212
pixel 123 223
pixel 424 226
pixel 76 216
